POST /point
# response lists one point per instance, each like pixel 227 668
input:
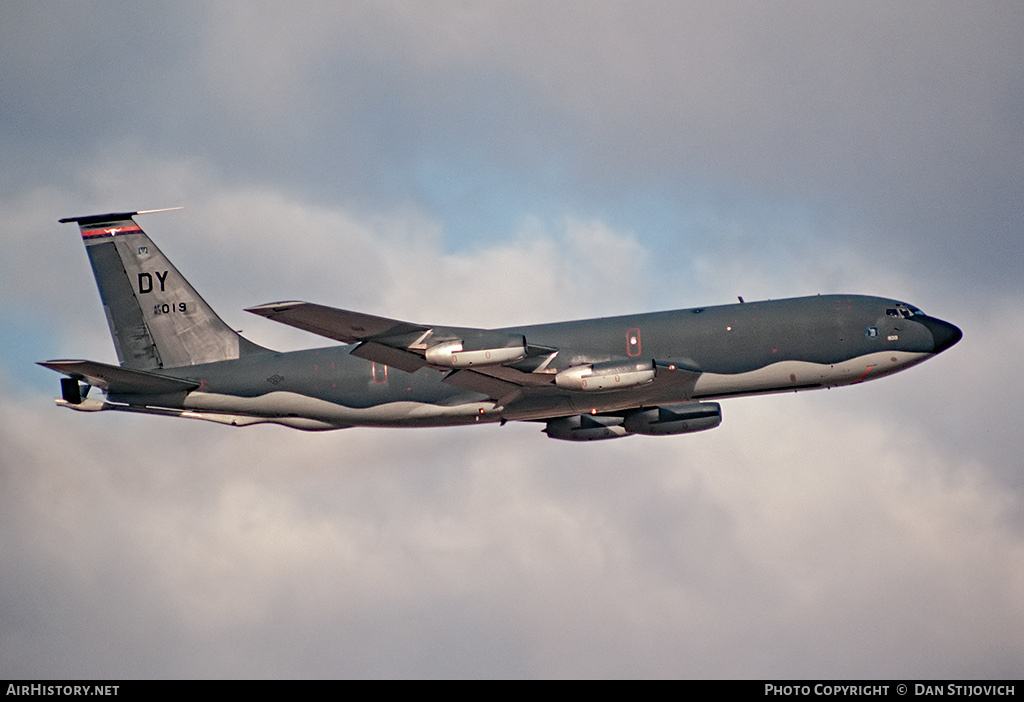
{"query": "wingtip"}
pixel 58 363
pixel 269 308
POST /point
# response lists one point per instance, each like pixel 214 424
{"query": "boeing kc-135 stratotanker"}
pixel 656 373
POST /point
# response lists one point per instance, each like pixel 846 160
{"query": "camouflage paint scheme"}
pixel 653 373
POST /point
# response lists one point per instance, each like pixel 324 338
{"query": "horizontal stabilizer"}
pixel 120 380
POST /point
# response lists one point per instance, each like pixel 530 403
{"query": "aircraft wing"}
pixel 405 345
pixel 380 339
pixel 503 384
pixel 342 325
pixel 501 365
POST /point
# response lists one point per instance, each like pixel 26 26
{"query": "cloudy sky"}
pixel 497 163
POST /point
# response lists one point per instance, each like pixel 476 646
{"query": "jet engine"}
pixel 584 427
pixel 656 421
pixel 610 375
pixel 484 350
pixel 674 419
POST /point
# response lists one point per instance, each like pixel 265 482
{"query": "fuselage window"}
pixel 380 373
pixel 904 312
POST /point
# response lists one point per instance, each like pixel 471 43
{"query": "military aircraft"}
pixel 655 373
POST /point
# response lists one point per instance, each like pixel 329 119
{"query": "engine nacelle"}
pixel 674 419
pixel 610 375
pixel 582 427
pixel 490 350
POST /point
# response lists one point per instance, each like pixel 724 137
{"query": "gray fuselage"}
pixel 700 353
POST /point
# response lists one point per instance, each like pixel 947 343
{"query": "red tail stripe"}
pixel 111 231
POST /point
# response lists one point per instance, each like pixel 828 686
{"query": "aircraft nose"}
pixel 944 333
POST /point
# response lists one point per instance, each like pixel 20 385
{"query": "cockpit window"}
pixel 904 311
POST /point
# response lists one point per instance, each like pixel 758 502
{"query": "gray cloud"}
pixel 774 546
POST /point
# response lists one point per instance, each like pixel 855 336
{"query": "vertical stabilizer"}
pixel 157 320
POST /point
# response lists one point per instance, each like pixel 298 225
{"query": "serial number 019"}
pixel 174 307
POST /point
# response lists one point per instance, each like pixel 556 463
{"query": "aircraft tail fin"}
pixel 156 319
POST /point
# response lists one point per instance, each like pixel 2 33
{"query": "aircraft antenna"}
pixel 165 209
